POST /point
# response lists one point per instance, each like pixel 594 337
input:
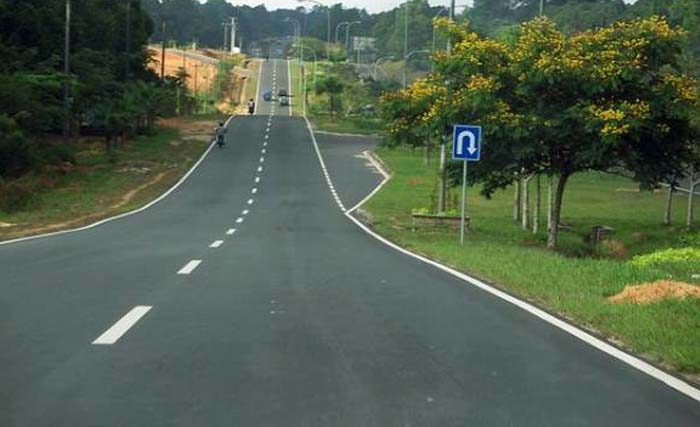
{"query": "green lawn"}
pixel 102 185
pixel 574 282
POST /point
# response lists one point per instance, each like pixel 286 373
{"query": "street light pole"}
pixel 337 27
pixel 328 30
pixel 405 65
pixel 66 71
pixel 347 34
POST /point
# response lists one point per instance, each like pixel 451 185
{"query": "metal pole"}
pixel 66 71
pixel 405 44
pixel 162 54
pixel 128 40
pixel 328 36
pixel 464 201
pixel 443 169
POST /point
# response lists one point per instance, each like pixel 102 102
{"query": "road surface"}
pixel 246 298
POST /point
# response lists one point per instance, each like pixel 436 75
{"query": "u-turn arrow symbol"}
pixel 471 148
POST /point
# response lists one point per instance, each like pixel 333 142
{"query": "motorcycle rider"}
pixel 251 106
pixel 220 133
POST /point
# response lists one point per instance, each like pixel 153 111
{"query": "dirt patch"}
pixel 647 293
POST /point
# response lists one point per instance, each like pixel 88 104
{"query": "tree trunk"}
pixel 693 185
pixel 556 212
pixel 550 191
pixel 516 200
pixel 526 202
pixel 669 205
pixel 443 184
pixel 538 206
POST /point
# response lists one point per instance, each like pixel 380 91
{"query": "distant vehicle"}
pixel 282 92
pixel 284 100
pixel 267 95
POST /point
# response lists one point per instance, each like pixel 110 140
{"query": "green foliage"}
pixel 689 256
pixel 15 196
pixel 15 154
pixel 690 239
pixel 333 86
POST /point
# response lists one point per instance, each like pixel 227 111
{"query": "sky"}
pixel 372 6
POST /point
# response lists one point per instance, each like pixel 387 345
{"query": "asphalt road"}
pixel 296 318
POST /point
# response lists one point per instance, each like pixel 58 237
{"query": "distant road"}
pixel 247 298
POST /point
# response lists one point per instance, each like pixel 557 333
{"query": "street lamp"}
pixel 440 12
pixel 405 62
pixel 347 33
pixel 376 65
pixel 328 32
pixel 337 27
pixel 297 30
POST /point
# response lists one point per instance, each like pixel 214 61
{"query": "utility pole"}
pixel 128 40
pixel 443 169
pixel 405 41
pixel 66 71
pixel 162 54
pixel 233 35
pixel 225 45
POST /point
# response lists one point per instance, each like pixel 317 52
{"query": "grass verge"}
pixel 574 283
pixel 101 185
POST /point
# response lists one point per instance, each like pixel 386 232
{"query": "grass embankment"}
pixel 100 185
pixel 355 95
pixel 496 249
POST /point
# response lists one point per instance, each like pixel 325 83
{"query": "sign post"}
pixel 466 146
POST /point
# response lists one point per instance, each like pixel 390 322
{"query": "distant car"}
pixel 284 100
pixel 267 95
pixel 282 92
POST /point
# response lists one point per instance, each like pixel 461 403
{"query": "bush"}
pixel 15 196
pixel 668 256
pixel 690 239
pixel 15 154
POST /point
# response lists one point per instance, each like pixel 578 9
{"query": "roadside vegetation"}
pixel 92 142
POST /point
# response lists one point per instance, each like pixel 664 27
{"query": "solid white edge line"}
pixel 289 84
pixel 320 160
pixel 633 361
pixel 116 331
pixel 125 214
pixel 190 267
pixel 216 243
pixel 257 90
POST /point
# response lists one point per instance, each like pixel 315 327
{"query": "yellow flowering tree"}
pixel 548 103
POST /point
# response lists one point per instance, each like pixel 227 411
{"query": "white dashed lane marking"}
pixel 250 201
pixel 254 190
pixel 190 266
pixel 231 231
pixel 239 220
pixel 112 335
pixel 216 243
pixel 245 212
pixel 260 168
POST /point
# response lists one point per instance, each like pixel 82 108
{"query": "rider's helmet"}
pixel 220 123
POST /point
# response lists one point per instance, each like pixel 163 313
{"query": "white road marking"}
pixel 265 144
pixel 639 364
pixel 216 243
pixel 231 231
pixel 254 190
pixel 262 160
pixel 263 151
pixel 245 212
pixel 257 179
pixel 190 266
pixel 257 90
pixel 112 335
pixel 260 168
pixel 250 201
pixel 239 220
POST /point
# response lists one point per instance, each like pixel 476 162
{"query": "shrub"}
pixel 15 196
pixel 668 256
pixel 15 155
pixel 690 239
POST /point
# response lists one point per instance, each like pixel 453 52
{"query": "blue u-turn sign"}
pixel 467 143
